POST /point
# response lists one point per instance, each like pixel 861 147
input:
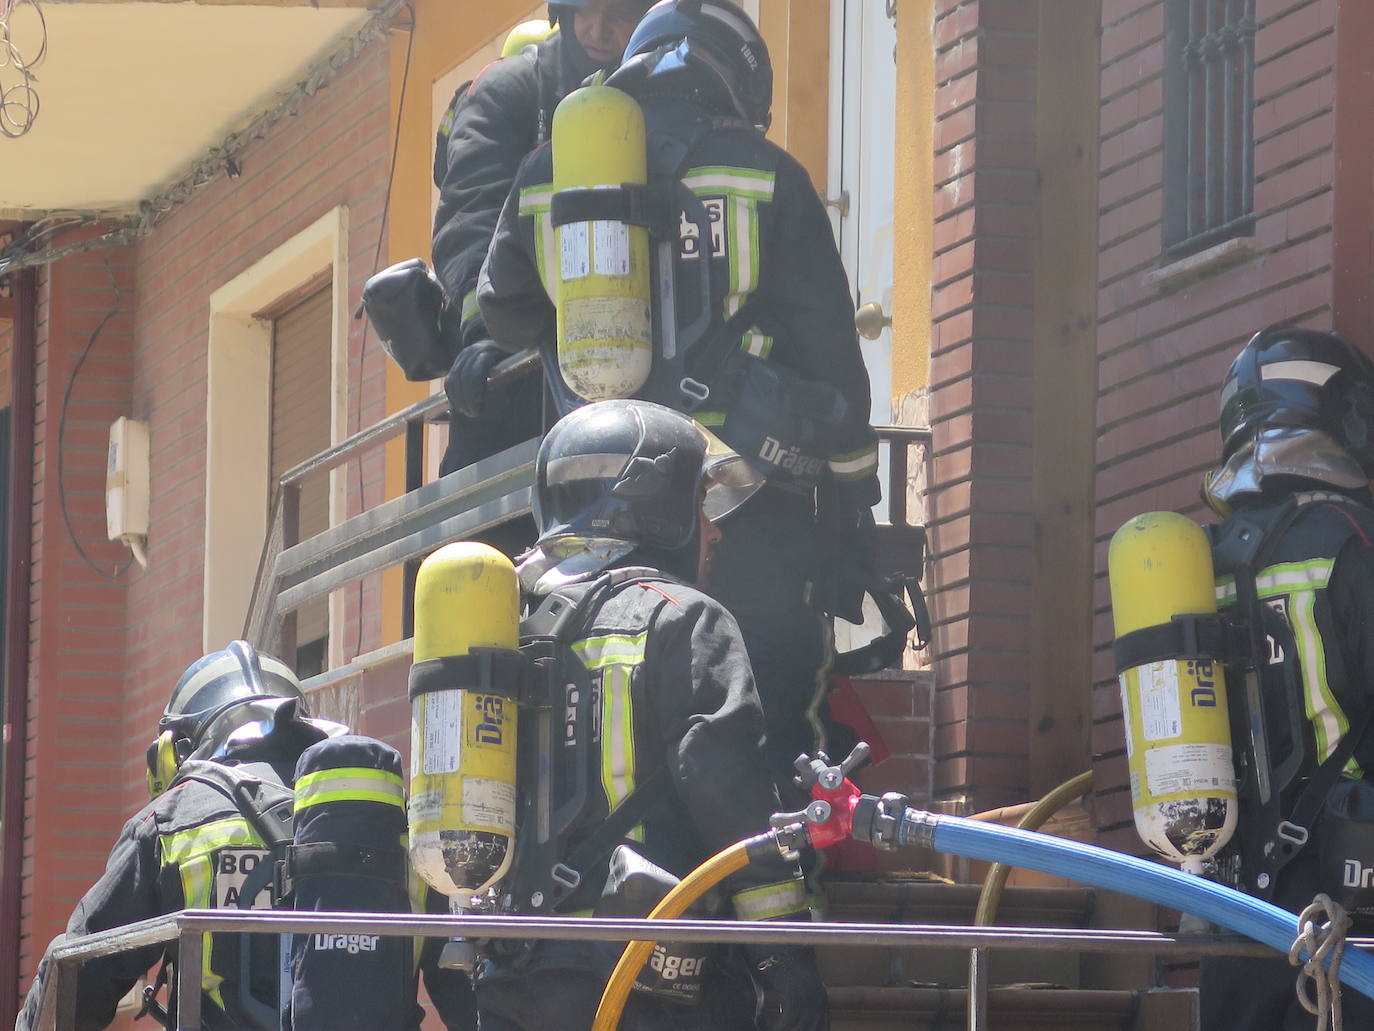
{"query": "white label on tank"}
pixel 1159 710
pixel 426 805
pixel 572 239
pixel 1189 769
pixel 443 715
pixel 488 803
pixel 612 250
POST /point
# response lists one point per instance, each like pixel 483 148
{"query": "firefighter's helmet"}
pixel 1305 379
pixel 620 470
pixel 228 697
pixel 707 48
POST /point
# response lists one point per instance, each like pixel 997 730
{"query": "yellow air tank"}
pixel 605 342
pixel 462 741
pixel 524 34
pixel 1178 734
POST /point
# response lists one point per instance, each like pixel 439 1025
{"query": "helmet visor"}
pixel 729 479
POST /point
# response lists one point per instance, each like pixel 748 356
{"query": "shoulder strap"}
pixel 260 802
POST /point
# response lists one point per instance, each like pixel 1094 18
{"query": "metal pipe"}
pixel 16 660
pixel 166 928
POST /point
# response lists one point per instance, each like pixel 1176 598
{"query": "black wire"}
pixel 62 432
pixel 376 256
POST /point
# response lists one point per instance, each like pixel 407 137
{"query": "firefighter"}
pixel 618 500
pixel 231 742
pixel 490 125
pixel 1294 557
pixel 778 375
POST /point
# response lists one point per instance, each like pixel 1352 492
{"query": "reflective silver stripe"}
pixel 732 180
pixel 757 344
pixel 574 468
pixel 770 901
pixel 855 464
pixel 1300 369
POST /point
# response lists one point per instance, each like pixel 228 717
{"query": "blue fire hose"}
pixel 1115 871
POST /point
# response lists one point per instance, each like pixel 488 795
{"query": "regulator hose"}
pixel 1116 871
pixel 674 904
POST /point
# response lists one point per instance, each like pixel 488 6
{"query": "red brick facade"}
pixel 108 639
pixel 1163 352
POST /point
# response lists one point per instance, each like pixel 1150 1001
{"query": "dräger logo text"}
pixel 1357 876
pixel 350 943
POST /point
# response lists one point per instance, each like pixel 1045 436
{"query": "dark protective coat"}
pixel 669 667
pixel 192 848
pixel 1317 588
pixel 489 127
pixel 773 253
pixel 154 862
pixel 774 260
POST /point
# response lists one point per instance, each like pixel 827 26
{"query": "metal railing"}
pixel 455 507
pixel 187 927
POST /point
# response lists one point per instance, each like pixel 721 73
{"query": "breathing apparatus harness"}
pixel 553 690
pixel 1270 838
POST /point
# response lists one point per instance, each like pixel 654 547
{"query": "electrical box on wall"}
pixel 126 486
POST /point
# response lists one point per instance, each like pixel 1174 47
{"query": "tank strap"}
pixel 1208 636
pixel 498 671
pixel 637 204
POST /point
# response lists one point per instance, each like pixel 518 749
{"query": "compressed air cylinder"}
pixel 524 34
pixel 605 341
pixel 462 741
pixel 1178 734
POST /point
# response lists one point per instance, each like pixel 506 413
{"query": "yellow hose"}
pixel 674 904
pixel 1061 796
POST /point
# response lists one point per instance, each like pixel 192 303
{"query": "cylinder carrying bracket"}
pixel 1197 635
pixel 507 672
pixel 636 204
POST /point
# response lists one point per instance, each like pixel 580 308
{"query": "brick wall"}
pixel 1162 354
pixel 105 654
pixel 981 361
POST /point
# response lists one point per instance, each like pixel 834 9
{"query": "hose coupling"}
pixel 917 827
pixel 877 820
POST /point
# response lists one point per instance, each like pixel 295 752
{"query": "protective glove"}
pixel 793 997
pixel 466 382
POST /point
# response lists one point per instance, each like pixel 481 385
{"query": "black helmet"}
pixel 620 470
pixel 1300 379
pixel 712 47
pixel 224 680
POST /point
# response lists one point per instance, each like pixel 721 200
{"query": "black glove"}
pixel 794 998
pixel 466 382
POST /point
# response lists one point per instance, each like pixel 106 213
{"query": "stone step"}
pixel 891 900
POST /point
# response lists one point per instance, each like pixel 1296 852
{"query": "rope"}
pixel 1322 942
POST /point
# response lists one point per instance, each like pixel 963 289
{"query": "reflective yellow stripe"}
pixel 855 464
pixel 770 901
pixel 207 838
pixel 757 344
pixel 469 309
pixel 616 656
pixel 733 181
pixel 709 418
pixel 350 784
pixel 192 852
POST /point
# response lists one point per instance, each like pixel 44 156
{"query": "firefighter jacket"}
pixel 672 689
pixel 1316 587
pixel 191 847
pixel 489 127
pixel 778 286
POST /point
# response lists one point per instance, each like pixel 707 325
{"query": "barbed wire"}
pixel 18 98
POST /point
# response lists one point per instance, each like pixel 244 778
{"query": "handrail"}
pixel 187 927
pixel 292 572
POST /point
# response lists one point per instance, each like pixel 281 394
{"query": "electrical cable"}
pixel 376 256
pixel 62 432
